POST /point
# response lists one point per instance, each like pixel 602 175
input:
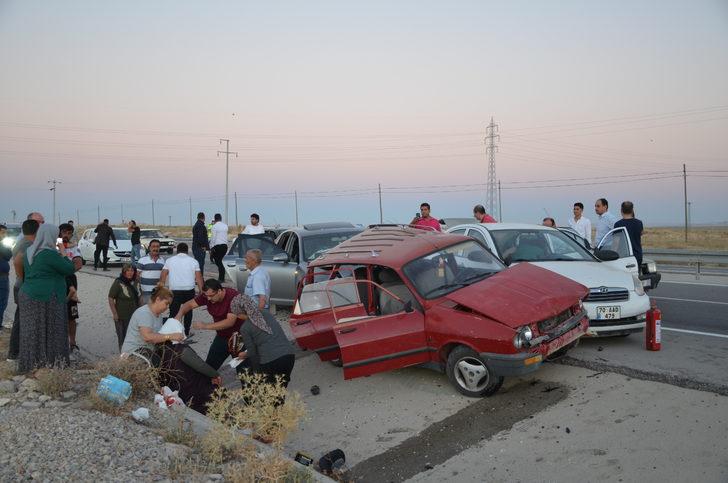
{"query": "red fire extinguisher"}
pixel 652 330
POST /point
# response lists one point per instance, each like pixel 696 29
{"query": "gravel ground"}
pixel 55 443
pixel 77 445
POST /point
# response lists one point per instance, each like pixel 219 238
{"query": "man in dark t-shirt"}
pixel 217 299
pixel 634 229
pixel 136 242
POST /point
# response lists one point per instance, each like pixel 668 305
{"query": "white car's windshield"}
pixel 451 268
pixel 151 234
pixel 525 245
pixel 122 234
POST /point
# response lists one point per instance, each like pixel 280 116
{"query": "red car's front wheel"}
pixel 469 373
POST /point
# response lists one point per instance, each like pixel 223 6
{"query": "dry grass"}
pixel 7 369
pixel 704 238
pixel 176 429
pixel 143 379
pixel 53 381
pixel 257 407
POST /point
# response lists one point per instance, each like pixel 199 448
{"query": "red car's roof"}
pixel 391 246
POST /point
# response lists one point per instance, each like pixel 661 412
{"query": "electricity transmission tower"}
pixel 227 154
pixel 491 187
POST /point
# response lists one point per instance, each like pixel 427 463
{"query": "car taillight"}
pixel 296 309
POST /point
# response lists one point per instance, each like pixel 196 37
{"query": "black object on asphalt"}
pixel 331 459
pixel 315 390
pixel 304 459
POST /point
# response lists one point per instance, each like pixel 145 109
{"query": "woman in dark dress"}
pixel 123 301
pixel 42 300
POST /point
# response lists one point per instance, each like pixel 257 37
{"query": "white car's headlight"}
pixel 638 288
pixel 8 242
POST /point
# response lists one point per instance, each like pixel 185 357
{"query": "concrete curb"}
pixel 201 424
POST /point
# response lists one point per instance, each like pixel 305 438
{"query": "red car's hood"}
pixel 520 295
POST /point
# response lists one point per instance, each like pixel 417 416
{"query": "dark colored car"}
pixel 394 297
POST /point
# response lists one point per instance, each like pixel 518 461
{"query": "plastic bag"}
pixel 168 399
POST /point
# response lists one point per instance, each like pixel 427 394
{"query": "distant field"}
pixel 699 238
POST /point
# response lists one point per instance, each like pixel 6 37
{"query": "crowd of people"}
pixel 147 292
pixel 151 290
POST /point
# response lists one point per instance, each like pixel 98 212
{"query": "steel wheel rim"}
pixel 471 374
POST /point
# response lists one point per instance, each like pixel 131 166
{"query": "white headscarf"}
pixel 45 239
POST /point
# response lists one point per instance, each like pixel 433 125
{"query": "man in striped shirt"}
pixel 149 270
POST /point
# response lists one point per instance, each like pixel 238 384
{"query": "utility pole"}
pixel 153 223
pixel 295 197
pixel 190 211
pixel 490 149
pixel 78 218
pixel 98 214
pixel 236 209
pixel 685 199
pixel 15 214
pixel 500 206
pixel 690 214
pixel 227 154
pixel 122 213
pixel 381 213
pixel 54 182
pixel 170 220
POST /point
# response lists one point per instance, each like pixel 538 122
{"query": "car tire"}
pixel 469 373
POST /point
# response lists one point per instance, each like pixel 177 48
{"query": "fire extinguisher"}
pixel 653 329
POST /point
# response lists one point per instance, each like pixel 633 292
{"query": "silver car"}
pixel 286 258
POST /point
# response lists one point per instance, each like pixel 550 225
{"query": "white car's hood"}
pixel 590 274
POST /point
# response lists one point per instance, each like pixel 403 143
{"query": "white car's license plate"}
pixel 609 312
pixel 125 259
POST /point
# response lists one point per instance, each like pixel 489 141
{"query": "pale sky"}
pixel 125 102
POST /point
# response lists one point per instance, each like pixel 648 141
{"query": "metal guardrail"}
pixel 697 261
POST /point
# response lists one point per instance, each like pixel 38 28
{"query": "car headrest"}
pixel 388 276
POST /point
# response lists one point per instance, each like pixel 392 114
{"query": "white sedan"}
pixel 616 304
pixel 121 254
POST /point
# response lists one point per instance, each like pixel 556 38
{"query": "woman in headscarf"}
pixel 123 301
pixel 265 344
pixel 42 298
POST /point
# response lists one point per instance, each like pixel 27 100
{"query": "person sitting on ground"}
pixel 265 344
pixel 143 330
pixel 184 371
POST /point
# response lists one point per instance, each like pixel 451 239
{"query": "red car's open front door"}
pixel 391 339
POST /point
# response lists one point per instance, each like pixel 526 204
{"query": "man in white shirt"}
pixel 149 269
pixel 605 220
pixel 255 228
pixel 182 272
pixel 580 223
pixel 218 245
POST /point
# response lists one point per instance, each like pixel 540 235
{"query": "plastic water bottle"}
pixel 114 390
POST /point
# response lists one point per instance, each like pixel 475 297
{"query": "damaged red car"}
pixel 393 297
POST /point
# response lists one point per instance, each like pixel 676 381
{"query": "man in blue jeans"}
pixel 5 255
pixel 200 242
pixel 136 242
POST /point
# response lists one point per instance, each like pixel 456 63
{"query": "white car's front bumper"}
pixel 631 317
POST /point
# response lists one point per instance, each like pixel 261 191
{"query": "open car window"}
pixel 323 295
pixel 617 240
pixel 262 242
pixel 451 268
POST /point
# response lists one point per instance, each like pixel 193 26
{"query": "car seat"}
pixel 389 280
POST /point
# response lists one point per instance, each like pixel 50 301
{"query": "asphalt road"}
pixel 693 305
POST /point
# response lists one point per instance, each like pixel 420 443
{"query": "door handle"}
pixel 631 265
pixel 303 322
pixel 347 331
